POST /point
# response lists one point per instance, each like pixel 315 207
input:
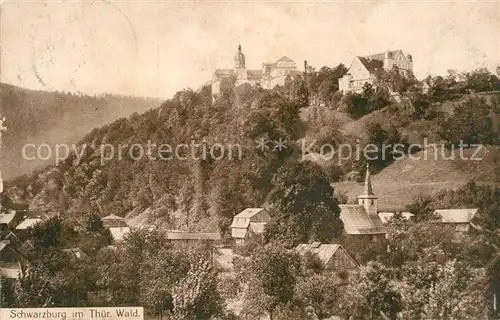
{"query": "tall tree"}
pixel 303 206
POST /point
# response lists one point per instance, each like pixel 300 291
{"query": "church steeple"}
pixel 368 190
pixel 368 199
pixel 239 59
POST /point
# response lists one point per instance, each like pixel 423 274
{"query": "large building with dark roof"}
pixel 269 76
pixel 364 69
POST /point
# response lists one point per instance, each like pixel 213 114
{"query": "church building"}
pixel 269 76
pixel 363 69
pixel 362 219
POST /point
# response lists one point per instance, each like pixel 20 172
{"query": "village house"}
pixel 333 256
pixel 362 219
pixel 364 69
pixel 269 76
pixel 11 270
pixel 461 219
pixel 249 222
pixel 117 226
pixel 193 239
pixel 25 225
pixel 11 219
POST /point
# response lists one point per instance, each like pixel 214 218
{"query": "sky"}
pixel 154 48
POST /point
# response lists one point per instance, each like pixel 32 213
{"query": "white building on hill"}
pixel 363 69
pixel 269 76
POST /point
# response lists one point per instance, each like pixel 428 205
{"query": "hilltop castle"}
pixel 271 74
pixel 363 69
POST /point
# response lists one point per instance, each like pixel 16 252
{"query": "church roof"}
pixel 357 221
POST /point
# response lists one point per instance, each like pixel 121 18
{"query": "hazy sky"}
pixel 153 48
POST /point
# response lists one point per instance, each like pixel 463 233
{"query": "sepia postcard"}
pixel 249 160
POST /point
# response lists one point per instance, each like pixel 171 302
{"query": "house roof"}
pixel 6 218
pixel 4 244
pixel 193 236
pixel 323 251
pixel 112 217
pixel 371 65
pixel 381 56
pixel 456 215
pixel 386 216
pixel 10 270
pixel 357 221
pixel 248 212
pixel 28 223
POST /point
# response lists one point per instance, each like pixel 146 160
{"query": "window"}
pixel 372 202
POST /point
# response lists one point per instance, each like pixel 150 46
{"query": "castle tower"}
pixel 368 199
pixel 239 59
pixel 240 70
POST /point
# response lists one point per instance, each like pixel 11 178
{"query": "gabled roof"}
pixel 357 221
pixel 193 236
pixel 386 216
pixel 456 215
pixel 29 222
pixel 112 217
pixel 10 270
pixel 285 59
pixel 371 65
pixel 381 56
pixel 6 218
pixel 248 213
pixel 323 251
